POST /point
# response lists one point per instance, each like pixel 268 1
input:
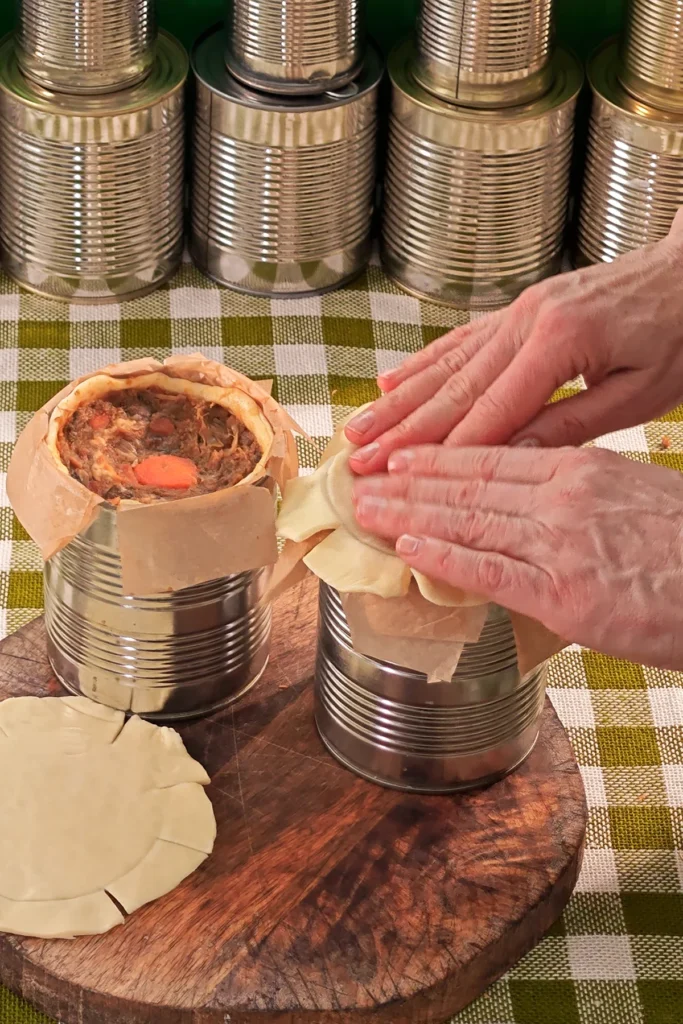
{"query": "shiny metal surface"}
pixel 282 190
pixel 91 187
pixel 295 46
pixel 485 53
pixel 475 201
pixel 633 183
pixel 167 656
pixel 86 45
pixel 391 726
pixel 651 57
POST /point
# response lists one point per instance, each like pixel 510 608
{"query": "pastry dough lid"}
pixel 236 401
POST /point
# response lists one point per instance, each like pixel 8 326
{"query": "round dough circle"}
pixel 92 807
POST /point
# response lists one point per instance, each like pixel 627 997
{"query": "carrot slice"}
pixel 169 471
pixel 100 420
pixel 162 426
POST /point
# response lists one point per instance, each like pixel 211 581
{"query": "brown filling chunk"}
pixel 149 445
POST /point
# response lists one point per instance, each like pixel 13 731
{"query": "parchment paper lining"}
pixel 168 545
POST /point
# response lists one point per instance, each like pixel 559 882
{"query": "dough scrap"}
pixel 337 485
pixel 91 808
pixel 444 595
pixel 351 567
pixel 349 558
pixel 305 510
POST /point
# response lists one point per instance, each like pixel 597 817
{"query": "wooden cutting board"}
pixel 327 900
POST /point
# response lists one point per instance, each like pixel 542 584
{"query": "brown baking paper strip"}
pixel 416 634
pixel 173 544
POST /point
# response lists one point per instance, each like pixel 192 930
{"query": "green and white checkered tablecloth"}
pixel 616 957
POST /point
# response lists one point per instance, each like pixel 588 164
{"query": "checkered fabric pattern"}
pixel 616 957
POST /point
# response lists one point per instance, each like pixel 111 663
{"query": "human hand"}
pixel 585 541
pixel 618 324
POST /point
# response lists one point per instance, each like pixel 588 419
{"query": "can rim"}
pixel 207 60
pixel 167 76
pixel 568 79
pixel 603 77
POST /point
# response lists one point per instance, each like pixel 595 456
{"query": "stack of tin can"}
pixel 284 147
pixel 634 170
pixel 91 130
pixel 480 147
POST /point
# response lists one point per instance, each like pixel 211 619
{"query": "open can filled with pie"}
pixel 150 489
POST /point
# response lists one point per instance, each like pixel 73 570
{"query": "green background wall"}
pixel 582 24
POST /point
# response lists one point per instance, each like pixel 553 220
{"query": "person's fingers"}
pixel 421 385
pixel 514 584
pixel 516 465
pixel 473 527
pixel 606 407
pixel 451 494
pixel 390 379
pixel 432 421
pixel 393 408
pixel 520 391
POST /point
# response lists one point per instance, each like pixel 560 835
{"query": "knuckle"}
pixel 453 360
pixel 570 426
pixel 464 492
pixel 492 574
pixel 479 528
pixel 444 562
pixel 491 405
pixel 400 434
pixel 486 462
pixel 460 390
pixel 578 474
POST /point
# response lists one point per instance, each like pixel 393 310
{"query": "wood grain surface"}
pixel 327 900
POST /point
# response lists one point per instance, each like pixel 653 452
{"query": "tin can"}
pixel 92 46
pixel 389 725
pixel 485 53
pixel 633 183
pixel 167 656
pixel 91 187
pixel 651 57
pixel 476 201
pixel 282 190
pixel 292 47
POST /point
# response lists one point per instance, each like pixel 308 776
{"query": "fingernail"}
pixel 370 505
pixel 407 545
pixel 389 374
pixel 399 461
pixel 361 423
pixel 366 454
pixel 527 442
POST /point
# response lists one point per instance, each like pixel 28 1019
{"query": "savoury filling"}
pixel 149 445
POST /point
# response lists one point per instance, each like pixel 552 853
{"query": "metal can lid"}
pixel 168 74
pixel 603 75
pixel 208 64
pixel 567 77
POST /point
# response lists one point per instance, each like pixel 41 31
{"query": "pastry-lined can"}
pixel 166 656
pixel 389 725
pixel 476 201
pixel 282 189
pixel 633 181
pixel 485 53
pixel 91 46
pixel 295 47
pixel 651 52
pixel 91 187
